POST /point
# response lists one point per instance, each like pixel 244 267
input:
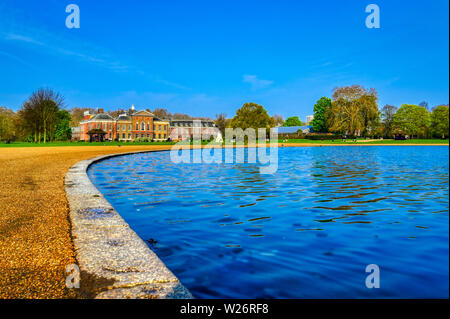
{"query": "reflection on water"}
pixel 307 231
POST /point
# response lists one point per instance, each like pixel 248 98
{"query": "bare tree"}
pixel 279 120
pixel 162 113
pixel 40 112
pixel 222 122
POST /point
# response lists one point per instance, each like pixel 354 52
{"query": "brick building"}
pixel 162 129
pixel 100 121
pixel 142 125
pixel 124 128
pixel 139 125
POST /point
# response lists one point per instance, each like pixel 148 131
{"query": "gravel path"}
pixel 35 242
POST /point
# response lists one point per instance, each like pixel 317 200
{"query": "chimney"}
pixel 100 111
pixel 87 115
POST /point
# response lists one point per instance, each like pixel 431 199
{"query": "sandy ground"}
pixel 35 242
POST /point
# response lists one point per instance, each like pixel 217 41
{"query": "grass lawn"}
pixel 52 144
pixel 363 142
pixel 298 141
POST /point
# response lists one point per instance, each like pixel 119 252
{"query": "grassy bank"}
pixel 281 141
pixel 363 141
pixel 56 144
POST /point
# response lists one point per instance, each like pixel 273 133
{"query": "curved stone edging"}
pixel 108 250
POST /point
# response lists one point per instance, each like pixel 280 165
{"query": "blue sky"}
pixel 208 57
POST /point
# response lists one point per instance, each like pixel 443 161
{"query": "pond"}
pixel 307 231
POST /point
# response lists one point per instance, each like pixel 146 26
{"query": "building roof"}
pixel 190 123
pixel 124 117
pixel 293 129
pixel 143 113
pixel 101 117
pixel 157 119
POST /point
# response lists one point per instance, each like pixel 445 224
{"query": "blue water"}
pixel 308 231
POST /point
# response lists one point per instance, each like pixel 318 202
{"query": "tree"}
pixel 440 120
pixel 424 104
pixel 388 113
pixel 252 115
pixel 39 113
pixel 181 116
pixel 354 111
pixel 62 127
pixel 370 113
pixel 77 115
pixel 49 112
pixel 278 120
pixel 162 113
pixel 412 119
pixel 222 122
pixel 292 121
pixel 6 123
pixel 116 113
pixel 319 122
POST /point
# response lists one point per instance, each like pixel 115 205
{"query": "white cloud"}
pixel 255 82
pixel 18 37
pixel 87 52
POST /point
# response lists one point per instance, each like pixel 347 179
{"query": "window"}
pixel 159 136
pixel 148 127
pixel 165 129
pixel 148 135
pixel 142 135
pixel 137 126
pixel 129 127
pixel 164 135
pixel 142 126
pixel 123 127
pixel 129 136
pixel 123 135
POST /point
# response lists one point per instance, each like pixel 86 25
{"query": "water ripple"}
pixel 307 231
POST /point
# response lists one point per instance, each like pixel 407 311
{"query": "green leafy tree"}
pixel 354 111
pixel 292 121
pixel 388 113
pixel 440 120
pixel 424 104
pixel 62 127
pixel 413 120
pixel 321 109
pixel 6 123
pixel 252 115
